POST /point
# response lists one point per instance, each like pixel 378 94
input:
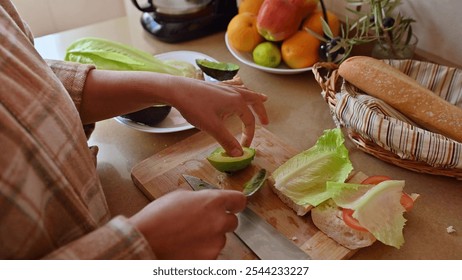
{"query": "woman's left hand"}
pixel 207 105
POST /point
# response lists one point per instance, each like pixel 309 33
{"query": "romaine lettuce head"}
pixel 109 55
pixel 303 177
pixel 376 207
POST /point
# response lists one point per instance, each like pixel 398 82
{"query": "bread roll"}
pixel 328 218
pixel 387 83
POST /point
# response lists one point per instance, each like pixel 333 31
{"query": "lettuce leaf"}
pixel 109 55
pixel 377 208
pixel 303 177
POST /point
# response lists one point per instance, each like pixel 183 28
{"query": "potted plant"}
pixel 371 21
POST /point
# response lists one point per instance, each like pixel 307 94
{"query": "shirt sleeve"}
pixel 120 240
pixel 73 75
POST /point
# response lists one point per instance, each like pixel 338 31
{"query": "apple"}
pixel 278 19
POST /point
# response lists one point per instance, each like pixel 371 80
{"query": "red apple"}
pixel 278 19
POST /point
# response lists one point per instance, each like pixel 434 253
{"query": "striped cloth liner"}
pixel 378 122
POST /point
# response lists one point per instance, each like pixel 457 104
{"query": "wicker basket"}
pixel 379 130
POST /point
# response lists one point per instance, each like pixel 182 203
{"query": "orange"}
pixel 242 32
pixel 250 6
pixel 314 23
pixel 300 50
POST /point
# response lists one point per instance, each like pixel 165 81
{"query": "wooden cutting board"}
pixel 162 172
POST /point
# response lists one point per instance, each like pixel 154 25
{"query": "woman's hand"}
pixel 206 105
pixel 190 225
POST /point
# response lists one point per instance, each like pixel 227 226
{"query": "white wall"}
pixel 131 10
pixel 438 26
pixel 50 16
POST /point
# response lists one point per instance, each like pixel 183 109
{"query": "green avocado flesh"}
pixel 225 163
pixel 221 71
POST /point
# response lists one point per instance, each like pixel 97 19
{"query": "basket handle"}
pixel 326 74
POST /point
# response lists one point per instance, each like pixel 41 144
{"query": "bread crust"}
pixel 327 217
pixel 387 83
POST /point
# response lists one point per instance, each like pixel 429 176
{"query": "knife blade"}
pixel 261 237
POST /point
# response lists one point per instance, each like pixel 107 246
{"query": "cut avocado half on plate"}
pixel 221 71
pixel 225 163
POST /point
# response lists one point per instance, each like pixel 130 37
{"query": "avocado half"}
pixel 225 163
pixel 221 71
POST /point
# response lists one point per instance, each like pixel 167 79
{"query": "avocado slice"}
pixel 255 183
pixel 221 71
pixel 225 163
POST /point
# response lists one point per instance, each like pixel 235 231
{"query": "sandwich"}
pixel 355 215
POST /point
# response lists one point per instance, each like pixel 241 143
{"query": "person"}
pixel 51 200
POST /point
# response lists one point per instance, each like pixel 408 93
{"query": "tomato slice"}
pixel 374 180
pixel 407 202
pixel 347 216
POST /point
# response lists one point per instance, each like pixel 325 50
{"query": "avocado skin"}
pixel 149 116
pixel 220 71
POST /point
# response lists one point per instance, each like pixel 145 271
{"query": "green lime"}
pixel 225 163
pixel 267 54
pixel 221 71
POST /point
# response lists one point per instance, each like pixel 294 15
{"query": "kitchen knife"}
pixel 262 238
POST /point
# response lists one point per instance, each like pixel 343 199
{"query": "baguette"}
pixel 403 93
pixel 327 217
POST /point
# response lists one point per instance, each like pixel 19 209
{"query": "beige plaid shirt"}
pixel 51 201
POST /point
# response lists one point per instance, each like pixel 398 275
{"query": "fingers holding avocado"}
pixel 226 163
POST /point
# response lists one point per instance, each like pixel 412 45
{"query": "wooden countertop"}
pixel 298 115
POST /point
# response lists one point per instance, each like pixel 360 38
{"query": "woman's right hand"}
pixel 190 225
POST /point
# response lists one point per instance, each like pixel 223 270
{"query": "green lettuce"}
pixel 109 55
pixel 303 177
pixel 377 208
